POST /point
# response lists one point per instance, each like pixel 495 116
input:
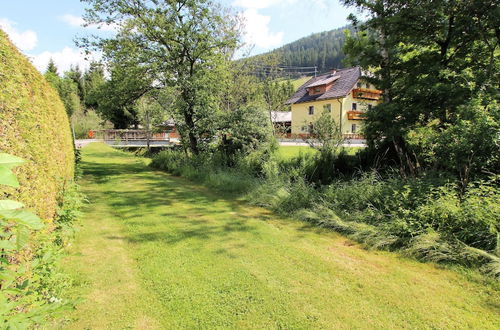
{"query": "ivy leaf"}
pixel 6 204
pixel 23 217
pixel 7 177
pixel 10 161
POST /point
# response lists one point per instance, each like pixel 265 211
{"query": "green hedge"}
pixel 35 127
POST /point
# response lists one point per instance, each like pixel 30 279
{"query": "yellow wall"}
pixel 301 117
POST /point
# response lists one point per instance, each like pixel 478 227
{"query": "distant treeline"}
pixel 323 50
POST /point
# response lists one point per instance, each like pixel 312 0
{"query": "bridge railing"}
pixel 128 135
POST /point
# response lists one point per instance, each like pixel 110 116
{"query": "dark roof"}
pixel 342 85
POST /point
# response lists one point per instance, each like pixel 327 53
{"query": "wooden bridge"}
pixel 128 138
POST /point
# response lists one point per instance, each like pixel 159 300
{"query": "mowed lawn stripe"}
pixel 198 259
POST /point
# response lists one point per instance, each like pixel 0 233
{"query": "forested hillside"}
pixel 323 50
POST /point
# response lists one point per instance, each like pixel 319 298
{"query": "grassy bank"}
pixel 425 217
pixel 157 251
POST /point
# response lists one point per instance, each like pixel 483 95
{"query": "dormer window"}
pixel 317 90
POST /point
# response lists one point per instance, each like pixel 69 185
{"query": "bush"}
pixel 85 120
pixel 31 284
pixel 35 127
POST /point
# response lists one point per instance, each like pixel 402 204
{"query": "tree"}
pixel 51 67
pixel 430 58
pixel 150 114
pixel 66 88
pixel 325 135
pixel 275 94
pixel 116 98
pixel 93 79
pixel 76 75
pixel 181 44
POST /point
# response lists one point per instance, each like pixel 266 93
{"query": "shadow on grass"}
pixel 144 198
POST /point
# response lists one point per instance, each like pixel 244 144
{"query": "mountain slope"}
pixel 323 50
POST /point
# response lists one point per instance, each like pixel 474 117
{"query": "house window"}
pixel 311 128
pixel 327 108
pixel 303 128
pixel 354 127
pixel 354 106
pixel 359 85
pixel 370 106
pixel 367 85
pixel 311 109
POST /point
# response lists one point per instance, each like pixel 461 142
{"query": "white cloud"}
pixel 26 40
pixel 257 30
pixel 63 59
pixel 78 21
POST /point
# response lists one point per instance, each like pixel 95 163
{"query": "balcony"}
pixel 367 94
pixel 355 115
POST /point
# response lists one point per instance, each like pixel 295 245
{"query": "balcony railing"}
pixel 355 115
pixel 367 94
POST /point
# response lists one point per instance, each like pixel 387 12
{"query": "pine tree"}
pixel 51 67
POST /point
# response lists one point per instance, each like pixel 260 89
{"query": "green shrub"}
pixel 34 126
pixel 84 121
pixel 30 282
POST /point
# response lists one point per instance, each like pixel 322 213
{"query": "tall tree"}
pixel 93 79
pixel 76 75
pixel 431 58
pixel 66 88
pixel 182 44
pixel 116 98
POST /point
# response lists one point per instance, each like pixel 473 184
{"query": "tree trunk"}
pixel 148 134
pixel 193 141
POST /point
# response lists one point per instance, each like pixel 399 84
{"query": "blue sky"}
pixel 46 29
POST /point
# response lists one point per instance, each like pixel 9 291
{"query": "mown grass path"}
pixel 156 251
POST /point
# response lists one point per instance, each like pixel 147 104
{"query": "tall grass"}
pixel 424 217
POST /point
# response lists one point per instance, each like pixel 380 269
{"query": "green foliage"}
pixel 28 278
pixel 182 45
pixel 93 80
pixel 67 89
pixel 76 75
pixel 116 98
pixel 84 121
pixel 33 126
pixel 436 63
pixel 243 131
pixel 323 50
pixel 276 93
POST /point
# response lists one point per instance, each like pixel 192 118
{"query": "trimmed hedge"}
pixel 35 127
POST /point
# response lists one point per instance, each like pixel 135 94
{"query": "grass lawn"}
pixel 156 251
pixel 299 82
pixel 288 152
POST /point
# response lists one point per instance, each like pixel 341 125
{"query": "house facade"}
pixel 343 93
